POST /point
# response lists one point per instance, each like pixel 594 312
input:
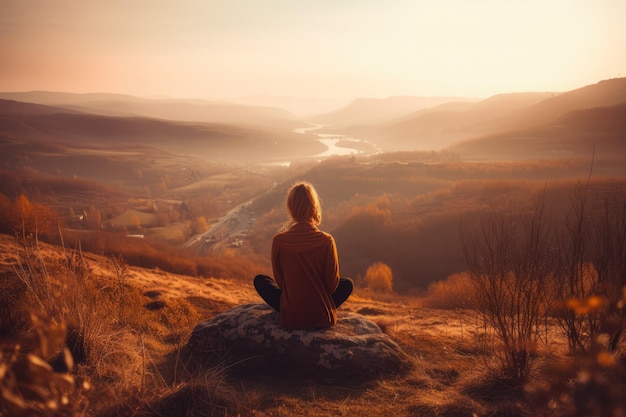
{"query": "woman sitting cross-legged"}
pixel 306 289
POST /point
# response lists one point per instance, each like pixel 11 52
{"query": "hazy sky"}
pixel 310 48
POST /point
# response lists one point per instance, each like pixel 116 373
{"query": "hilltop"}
pixel 435 339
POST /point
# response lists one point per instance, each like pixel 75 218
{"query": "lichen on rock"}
pixel 249 338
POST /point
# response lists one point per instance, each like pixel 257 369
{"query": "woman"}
pixel 306 289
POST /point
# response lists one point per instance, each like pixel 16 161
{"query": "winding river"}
pixel 331 142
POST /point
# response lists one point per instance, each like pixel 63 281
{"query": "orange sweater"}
pixel 305 266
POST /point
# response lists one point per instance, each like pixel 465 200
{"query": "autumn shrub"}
pixel 454 292
pixel 25 218
pixel 379 278
pixel 529 268
pixel 199 225
pixel 510 258
pixel 591 267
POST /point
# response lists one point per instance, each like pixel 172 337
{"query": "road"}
pixel 230 231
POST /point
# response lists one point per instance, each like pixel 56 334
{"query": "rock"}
pixel 249 338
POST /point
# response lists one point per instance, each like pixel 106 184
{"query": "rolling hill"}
pixel 500 115
pixel 372 111
pixel 577 133
pixel 25 122
pixel 120 105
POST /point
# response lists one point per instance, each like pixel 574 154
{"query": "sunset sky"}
pixel 323 49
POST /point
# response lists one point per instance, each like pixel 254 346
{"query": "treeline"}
pixel 22 216
pixel 420 237
pixel 409 214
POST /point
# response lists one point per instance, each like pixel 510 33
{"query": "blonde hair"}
pixel 303 203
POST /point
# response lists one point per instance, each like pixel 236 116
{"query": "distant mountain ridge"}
pixel 200 111
pixel 599 130
pixel 26 122
pixel 533 121
pixel 13 107
pixel 605 93
pixel 500 115
pixel 372 111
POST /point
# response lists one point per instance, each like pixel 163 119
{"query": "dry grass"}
pixel 139 320
pixel 117 340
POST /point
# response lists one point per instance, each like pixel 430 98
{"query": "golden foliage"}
pixel 379 277
pixel 24 217
pixel 592 304
pixel 199 225
pixel 456 291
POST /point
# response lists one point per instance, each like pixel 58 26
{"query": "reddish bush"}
pixel 379 277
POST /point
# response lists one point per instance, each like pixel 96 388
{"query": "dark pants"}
pixel 270 292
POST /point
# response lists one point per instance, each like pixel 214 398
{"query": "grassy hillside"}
pixel 125 329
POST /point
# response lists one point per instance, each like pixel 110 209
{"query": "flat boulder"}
pixel 249 338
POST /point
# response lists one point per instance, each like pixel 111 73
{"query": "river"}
pixel 331 141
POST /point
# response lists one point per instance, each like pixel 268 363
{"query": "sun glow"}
pixel 310 49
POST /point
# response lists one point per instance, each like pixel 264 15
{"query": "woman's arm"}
pixel 331 276
pixel 276 268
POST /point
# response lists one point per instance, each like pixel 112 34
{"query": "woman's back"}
pixel 306 289
pixel 305 266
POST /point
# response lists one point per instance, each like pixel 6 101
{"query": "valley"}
pixel 151 222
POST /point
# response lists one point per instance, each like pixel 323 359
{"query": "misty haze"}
pixel 472 183
pixel 179 200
